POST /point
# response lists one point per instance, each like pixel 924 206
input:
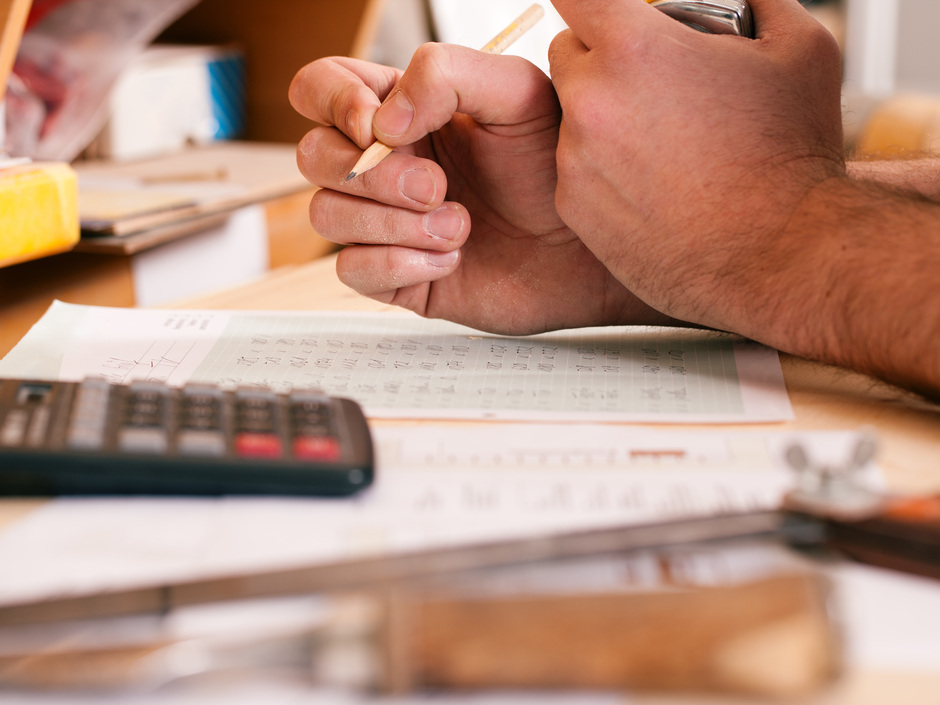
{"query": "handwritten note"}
pixel 400 366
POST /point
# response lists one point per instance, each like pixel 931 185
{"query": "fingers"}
pixel 564 50
pixel 403 180
pixel 444 79
pixel 342 92
pixel 347 220
pixel 400 201
pixel 789 29
pixel 396 275
pixel 399 233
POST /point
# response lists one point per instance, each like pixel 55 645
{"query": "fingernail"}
pixel 444 223
pixel 395 115
pixel 418 185
pixel 352 125
pixel 442 259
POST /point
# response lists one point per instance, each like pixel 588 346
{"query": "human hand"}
pixel 682 155
pixel 460 221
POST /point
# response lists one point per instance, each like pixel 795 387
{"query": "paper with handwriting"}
pixel 404 366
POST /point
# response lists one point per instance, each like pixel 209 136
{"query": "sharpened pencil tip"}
pixel 352 175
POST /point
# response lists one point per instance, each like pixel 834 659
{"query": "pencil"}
pixel 497 45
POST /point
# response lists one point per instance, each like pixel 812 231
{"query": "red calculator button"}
pixel 258 445
pixel 321 448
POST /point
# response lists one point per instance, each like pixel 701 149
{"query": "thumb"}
pixel 444 79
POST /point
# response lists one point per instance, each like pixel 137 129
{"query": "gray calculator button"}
pixel 93 392
pixel 33 392
pixel 85 438
pixel 316 396
pixel 200 409
pixel 89 415
pixel 39 427
pixel 255 410
pixel 143 440
pixel 14 428
pixel 203 443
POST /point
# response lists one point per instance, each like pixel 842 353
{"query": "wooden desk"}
pixel 823 397
pixel 96 279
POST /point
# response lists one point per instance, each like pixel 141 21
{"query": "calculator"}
pixel 93 437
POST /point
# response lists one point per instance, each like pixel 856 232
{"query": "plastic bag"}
pixel 67 63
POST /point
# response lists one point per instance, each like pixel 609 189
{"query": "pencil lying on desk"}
pixel 497 45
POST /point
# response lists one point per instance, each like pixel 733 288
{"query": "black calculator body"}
pixel 147 438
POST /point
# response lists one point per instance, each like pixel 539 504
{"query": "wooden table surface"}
pixel 823 398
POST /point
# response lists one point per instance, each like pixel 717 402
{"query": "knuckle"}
pixel 430 65
pixel 304 83
pixel 320 211
pixel 298 84
pixel 351 97
pixel 310 151
pixel 559 44
pixel 308 143
pixel 347 271
pixel 825 46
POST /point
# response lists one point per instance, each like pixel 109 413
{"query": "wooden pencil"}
pixel 497 45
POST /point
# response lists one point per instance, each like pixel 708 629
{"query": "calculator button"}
pixel 199 415
pixel 255 411
pixel 33 392
pixel 144 419
pixel 319 448
pixel 258 445
pixel 310 414
pixel 85 438
pixel 14 428
pixel 133 439
pixel 311 397
pixel 201 408
pixel 201 443
pixel 39 426
pixel 145 405
pixel 89 415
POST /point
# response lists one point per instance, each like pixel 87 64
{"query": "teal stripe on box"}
pixel 227 91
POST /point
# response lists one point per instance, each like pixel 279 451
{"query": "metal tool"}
pixel 711 16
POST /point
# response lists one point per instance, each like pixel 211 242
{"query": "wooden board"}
pixel 13 14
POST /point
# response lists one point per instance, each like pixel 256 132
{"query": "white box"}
pixel 172 96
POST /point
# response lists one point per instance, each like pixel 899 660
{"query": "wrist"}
pixel 856 262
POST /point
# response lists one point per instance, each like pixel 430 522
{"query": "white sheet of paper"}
pixel 436 486
pixel 404 366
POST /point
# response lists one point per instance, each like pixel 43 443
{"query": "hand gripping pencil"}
pixel 497 45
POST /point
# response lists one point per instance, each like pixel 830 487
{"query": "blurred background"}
pixel 82 69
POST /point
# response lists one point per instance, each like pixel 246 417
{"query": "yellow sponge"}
pixel 38 211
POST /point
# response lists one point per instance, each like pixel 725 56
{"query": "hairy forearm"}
pixel 921 176
pixel 859 285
